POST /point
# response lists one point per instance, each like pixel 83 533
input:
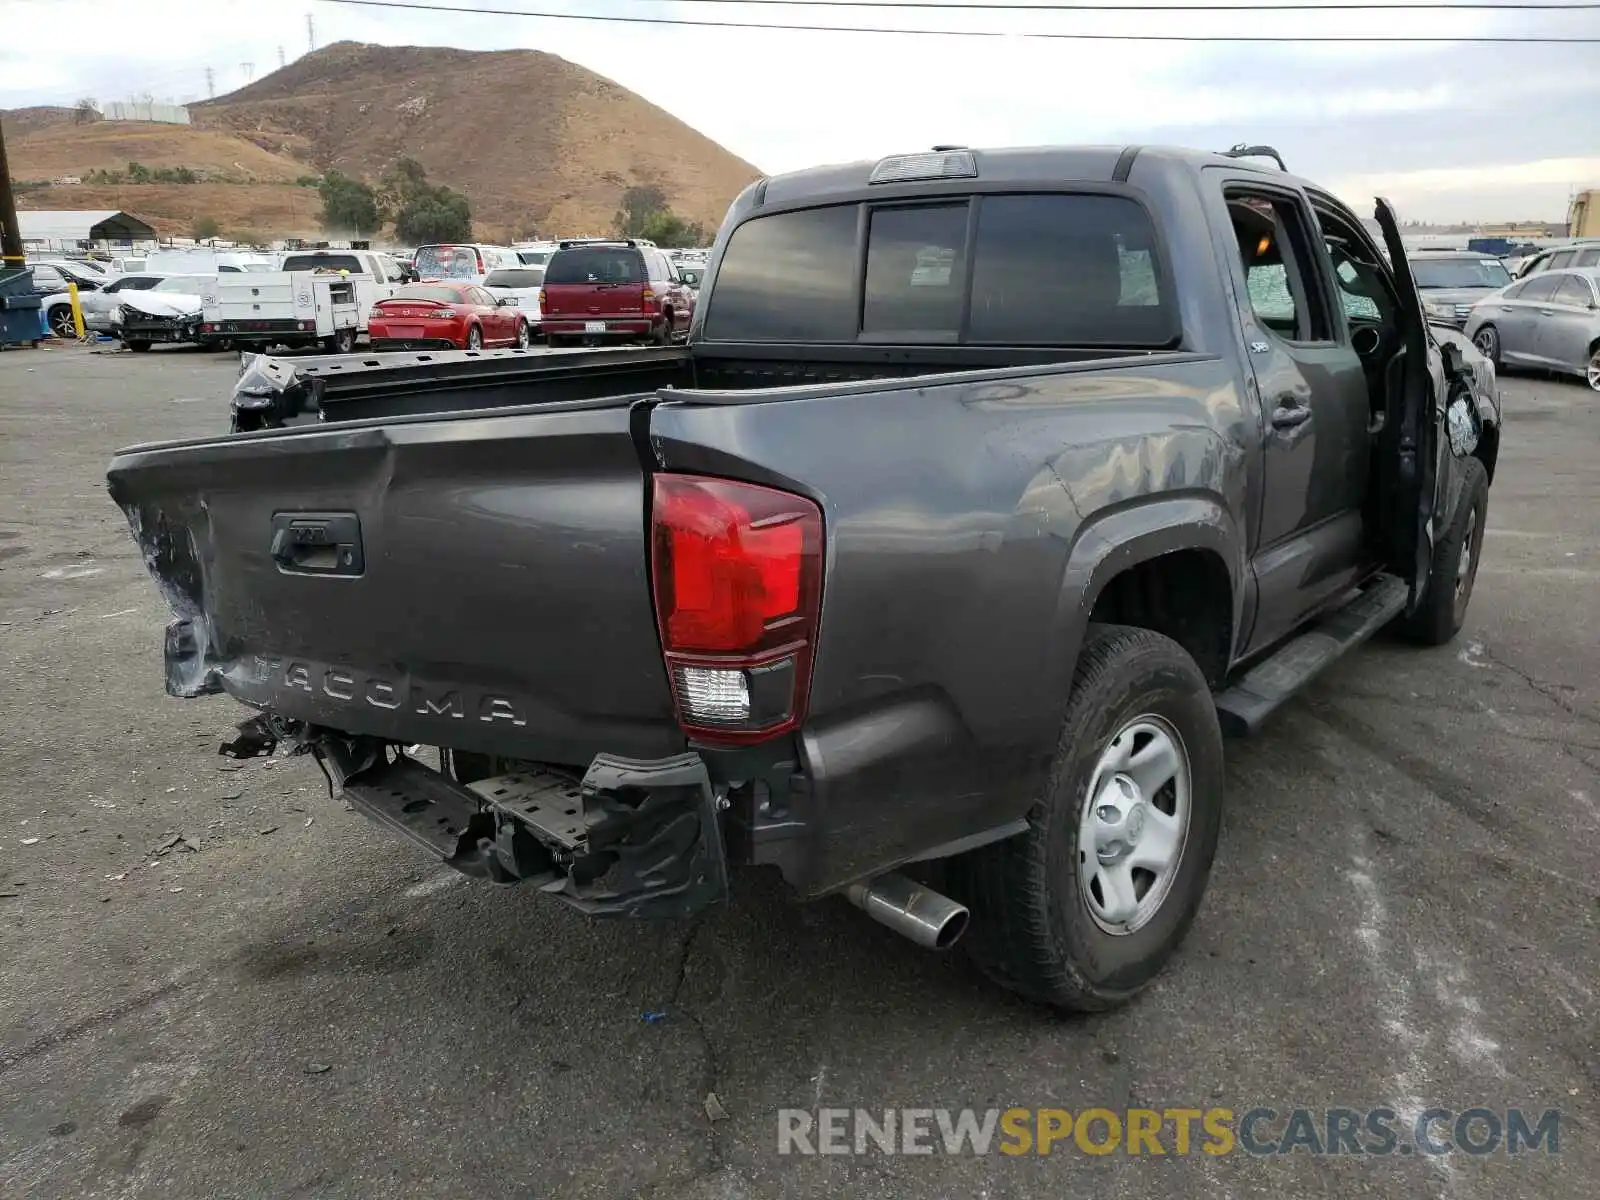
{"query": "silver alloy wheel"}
pixel 1135 824
pixel 1464 560
pixel 1484 340
pixel 61 323
pixel 1593 373
pixel 523 335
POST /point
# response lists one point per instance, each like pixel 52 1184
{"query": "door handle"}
pixel 1290 413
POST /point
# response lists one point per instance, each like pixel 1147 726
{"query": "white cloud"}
pixel 785 100
pixel 1481 192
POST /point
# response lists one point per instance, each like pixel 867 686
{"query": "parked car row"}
pixel 586 291
pixel 1547 318
pixel 604 289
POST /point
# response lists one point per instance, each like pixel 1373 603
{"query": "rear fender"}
pixel 1115 539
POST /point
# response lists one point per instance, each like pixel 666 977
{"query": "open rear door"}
pixel 1406 459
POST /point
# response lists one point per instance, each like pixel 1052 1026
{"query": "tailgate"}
pixel 475 583
pixel 575 301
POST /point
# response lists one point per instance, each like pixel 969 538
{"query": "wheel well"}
pixel 1184 595
pixel 1488 450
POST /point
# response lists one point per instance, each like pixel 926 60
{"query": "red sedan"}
pixel 444 316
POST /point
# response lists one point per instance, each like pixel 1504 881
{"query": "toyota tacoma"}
pixel 991 489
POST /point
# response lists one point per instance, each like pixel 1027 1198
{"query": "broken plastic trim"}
pixel 648 843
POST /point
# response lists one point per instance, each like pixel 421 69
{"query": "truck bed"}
pixel 277 392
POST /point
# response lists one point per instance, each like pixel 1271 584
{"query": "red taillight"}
pixel 738 587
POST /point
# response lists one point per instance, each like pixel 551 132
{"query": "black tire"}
pixel 344 342
pixel 663 336
pixel 524 335
pixel 1487 340
pixel 137 346
pixel 557 341
pixel 1444 603
pixel 61 323
pixel 1031 930
pixel 474 338
pixel 1591 370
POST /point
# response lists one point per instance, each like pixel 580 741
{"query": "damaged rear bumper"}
pixel 630 838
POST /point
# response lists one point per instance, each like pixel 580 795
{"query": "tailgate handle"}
pixel 317 543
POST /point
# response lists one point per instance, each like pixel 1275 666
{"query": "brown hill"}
pixel 57 150
pixel 25 120
pixel 536 143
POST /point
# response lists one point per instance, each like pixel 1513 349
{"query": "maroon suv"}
pixel 618 290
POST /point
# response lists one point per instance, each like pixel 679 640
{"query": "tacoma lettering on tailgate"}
pixel 427 700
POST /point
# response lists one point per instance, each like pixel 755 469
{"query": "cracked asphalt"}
pixel 218 982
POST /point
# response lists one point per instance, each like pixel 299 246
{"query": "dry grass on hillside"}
pixel 535 142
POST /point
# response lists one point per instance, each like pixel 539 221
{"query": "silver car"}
pixel 1550 320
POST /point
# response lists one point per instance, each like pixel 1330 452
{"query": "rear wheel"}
pixel 524 335
pixel 1487 340
pixel 344 342
pixel 1592 371
pixel 474 338
pixel 663 335
pixel 1455 565
pixel 1086 907
pixel 137 346
pixel 557 340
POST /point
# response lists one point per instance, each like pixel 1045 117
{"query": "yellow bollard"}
pixel 77 311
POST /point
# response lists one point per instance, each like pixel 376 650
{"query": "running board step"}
pixel 1242 708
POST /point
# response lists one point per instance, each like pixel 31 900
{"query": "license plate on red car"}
pixel 405 331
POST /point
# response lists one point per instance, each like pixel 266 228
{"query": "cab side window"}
pixel 1358 304
pixel 1275 251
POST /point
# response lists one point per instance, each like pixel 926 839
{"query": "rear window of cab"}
pixel 1048 269
pixel 595 265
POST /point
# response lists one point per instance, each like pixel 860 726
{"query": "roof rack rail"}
pixel 573 243
pixel 1243 151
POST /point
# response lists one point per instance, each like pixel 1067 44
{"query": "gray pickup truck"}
pixel 990 491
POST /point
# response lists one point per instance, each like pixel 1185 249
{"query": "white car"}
pixel 535 254
pixel 168 312
pixel 522 285
pixel 98 307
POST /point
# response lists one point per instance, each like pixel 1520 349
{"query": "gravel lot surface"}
pixel 288 1001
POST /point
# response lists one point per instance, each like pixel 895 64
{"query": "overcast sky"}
pixel 1449 131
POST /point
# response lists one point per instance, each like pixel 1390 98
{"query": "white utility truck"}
pixel 314 298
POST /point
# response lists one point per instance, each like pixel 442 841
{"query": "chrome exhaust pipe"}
pixel 910 909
